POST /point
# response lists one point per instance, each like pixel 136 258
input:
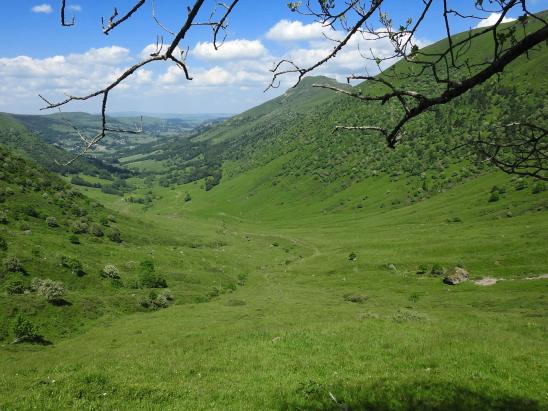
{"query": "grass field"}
pixel 310 329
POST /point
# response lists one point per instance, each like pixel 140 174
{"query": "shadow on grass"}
pixel 61 303
pixel 420 396
pixel 35 339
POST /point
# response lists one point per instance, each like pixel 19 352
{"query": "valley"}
pixel 274 260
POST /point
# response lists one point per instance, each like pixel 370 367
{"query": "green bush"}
pixel 187 197
pixel 74 265
pixel 4 217
pixel 152 280
pixel 12 264
pixel 53 291
pixel 24 329
pixel 110 271
pixel 157 300
pixel 96 230
pixel 521 185
pixel 52 222
pixel 423 269
pixel 352 256
pixel 355 298
pixel 79 227
pixel 148 278
pixel 437 269
pixel 494 197
pixel 74 239
pixel 30 211
pixel 114 235
pixel 15 287
pixel 539 187
pixel 242 279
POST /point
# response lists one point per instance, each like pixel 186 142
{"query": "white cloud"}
pixel 286 30
pixel 24 77
pixel 75 7
pixel 492 20
pixel 42 8
pixel 229 50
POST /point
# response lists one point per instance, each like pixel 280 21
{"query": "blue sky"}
pixel 37 55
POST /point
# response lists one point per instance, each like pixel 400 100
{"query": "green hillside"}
pixel 298 126
pixel 14 135
pixel 306 270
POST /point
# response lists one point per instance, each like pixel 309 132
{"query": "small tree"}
pixel 148 277
pixel 96 230
pixel 53 291
pixel 494 197
pixel 24 330
pixel 74 265
pixel 78 227
pixel 52 222
pixel 4 217
pixel 110 271
pixel 114 235
pixel 15 287
pixel 12 264
pixel 187 197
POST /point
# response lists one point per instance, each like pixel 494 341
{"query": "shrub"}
pixel 104 221
pixel 521 185
pixel 156 301
pixel 148 278
pixel 114 235
pixel 15 287
pixel 74 265
pixel 539 187
pixel 30 211
pixel 242 279
pixel 494 197
pixel 423 269
pixel 3 244
pixel 12 265
pixel 355 298
pixel 53 291
pixel 161 301
pixel 167 294
pixel 152 280
pixel 437 269
pixel 52 222
pixel 79 227
pixel 24 329
pixel 110 271
pixel 74 239
pixel 187 197
pixel 96 230
pixel 352 256
pixel 215 291
pixel 4 217
pixel 24 226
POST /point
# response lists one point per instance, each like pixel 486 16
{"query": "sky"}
pixel 39 56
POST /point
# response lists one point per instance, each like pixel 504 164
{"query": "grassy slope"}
pixel 16 136
pixel 288 338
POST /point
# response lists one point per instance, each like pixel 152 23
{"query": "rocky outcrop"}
pixel 456 276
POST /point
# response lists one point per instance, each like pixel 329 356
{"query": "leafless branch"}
pixel 63 21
